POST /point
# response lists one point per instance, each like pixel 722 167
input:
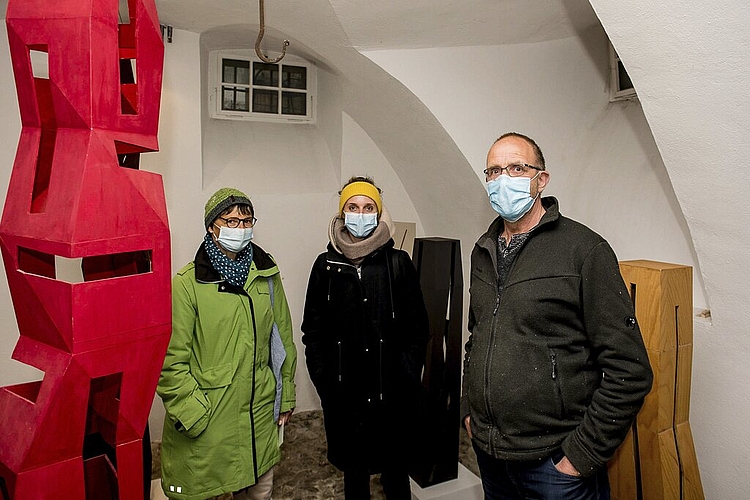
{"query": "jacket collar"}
pixel 205 272
pixel 333 255
pixel 488 240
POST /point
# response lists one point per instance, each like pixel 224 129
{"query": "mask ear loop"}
pixel 538 191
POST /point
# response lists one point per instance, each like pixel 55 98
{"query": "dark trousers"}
pixel 395 483
pixel 537 479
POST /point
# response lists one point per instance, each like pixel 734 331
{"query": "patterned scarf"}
pixel 233 271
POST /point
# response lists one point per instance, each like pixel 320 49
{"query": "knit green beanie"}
pixel 221 200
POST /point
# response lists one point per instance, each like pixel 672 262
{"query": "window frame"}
pixel 216 84
pixel 616 92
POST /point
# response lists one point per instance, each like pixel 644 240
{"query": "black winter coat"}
pixel 365 333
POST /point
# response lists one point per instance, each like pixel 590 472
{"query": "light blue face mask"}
pixel 511 196
pixel 360 225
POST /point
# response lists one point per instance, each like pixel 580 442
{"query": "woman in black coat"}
pixel 365 333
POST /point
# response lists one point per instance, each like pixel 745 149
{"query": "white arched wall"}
pixel 605 168
pixel 360 156
pixel 689 63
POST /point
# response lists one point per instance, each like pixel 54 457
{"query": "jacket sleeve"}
pixel 313 326
pixel 414 314
pixel 465 409
pixel 188 409
pixel 283 319
pixel 619 352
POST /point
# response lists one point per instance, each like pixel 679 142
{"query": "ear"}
pixel 542 181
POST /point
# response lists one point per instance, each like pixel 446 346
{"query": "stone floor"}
pixel 305 474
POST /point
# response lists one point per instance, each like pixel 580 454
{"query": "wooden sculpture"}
pixel 76 195
pixel 657 459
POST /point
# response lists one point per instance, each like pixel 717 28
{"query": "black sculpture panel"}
pixel 438 263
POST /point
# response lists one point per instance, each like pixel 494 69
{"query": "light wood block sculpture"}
pixel 657 459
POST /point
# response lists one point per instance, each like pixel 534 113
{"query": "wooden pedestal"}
pixel 657 459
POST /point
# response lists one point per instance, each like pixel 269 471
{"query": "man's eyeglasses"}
pixel 235 222
pixel 515 170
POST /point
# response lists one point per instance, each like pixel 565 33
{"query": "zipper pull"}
pixel 359 273
pixel 553 358
pixel 497 304
pixel 339 352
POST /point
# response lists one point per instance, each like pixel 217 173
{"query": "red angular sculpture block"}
pixel 85 243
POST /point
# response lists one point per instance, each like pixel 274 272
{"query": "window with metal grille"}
pixel 244 87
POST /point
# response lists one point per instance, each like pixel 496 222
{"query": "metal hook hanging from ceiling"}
pixel 261 32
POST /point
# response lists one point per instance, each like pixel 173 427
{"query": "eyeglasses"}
pixel 515 170
pixel 235 222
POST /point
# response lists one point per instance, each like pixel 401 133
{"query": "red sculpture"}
pixel 89 106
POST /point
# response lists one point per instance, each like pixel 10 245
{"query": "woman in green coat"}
pixel 219 380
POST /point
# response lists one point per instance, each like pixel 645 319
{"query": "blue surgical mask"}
pixel 234 239
pixel 511 196
pixel 360 225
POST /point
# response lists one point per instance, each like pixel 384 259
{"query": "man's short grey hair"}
pixel 534 146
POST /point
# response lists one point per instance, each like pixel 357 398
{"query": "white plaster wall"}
pixel 689 63
pixel 360 156
pixel 178 160
pixel 605 167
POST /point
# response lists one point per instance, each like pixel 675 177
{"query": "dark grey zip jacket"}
pixel 555 357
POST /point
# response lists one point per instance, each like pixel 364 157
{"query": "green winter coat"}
pixel 217 369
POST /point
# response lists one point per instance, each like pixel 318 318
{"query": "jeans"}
pixel 537 479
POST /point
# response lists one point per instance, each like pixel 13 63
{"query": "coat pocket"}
pixel 194 414
pixel 215 377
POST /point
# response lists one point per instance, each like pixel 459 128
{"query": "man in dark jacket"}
pixel 555 368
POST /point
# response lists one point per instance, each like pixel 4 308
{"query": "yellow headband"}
pixel 360 188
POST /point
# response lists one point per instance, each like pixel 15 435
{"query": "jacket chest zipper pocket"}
pixel 556 383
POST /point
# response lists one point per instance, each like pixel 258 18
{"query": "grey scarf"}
pixel 354 249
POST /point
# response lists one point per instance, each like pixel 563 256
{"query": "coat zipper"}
pixel 553 359
pixel 380 362
pixel 337 263
pixel 487 362
pixel 488 365
pixel 488 356
pixel 380 343
pixel 339 347
pixel 252 393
